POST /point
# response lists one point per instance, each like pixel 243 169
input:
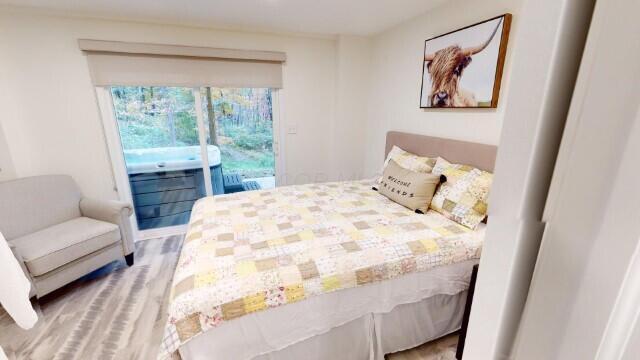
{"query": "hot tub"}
pixel 165 182
pixel 169 159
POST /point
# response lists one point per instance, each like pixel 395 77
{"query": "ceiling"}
pixel 356 17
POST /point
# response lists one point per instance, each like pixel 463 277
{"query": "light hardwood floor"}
pixel 119 312
pixel 441 349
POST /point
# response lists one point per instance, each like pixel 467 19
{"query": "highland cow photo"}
pixel 463 68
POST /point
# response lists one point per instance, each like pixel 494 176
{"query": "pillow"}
pixel 440 165
pixel 407 160
pixel 408 188
pixel 463 197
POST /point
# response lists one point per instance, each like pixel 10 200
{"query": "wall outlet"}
pixel 292 129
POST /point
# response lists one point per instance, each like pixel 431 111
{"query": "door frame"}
pixel 583 298
pixel 278 117
pixel 119 168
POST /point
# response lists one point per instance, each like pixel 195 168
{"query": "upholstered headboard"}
pixel 478 155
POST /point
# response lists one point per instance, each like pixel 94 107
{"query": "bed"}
pixel 322 271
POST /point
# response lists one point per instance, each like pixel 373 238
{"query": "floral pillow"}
pixel 463 197
pixel 409 161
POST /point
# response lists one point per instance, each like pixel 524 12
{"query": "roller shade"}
pixel 113 63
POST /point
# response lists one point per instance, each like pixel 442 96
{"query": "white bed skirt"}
pixel 359 323
pixel 373 336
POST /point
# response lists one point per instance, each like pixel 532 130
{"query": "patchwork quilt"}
pixel 251 251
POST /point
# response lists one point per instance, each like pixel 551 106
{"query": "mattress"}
pixel 250 252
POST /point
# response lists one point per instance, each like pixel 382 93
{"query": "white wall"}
pixel 396 72
pixel 545 66
pixel 583 299
pixel 341 94
pixel 7 170
pixel 51 120
pixel 353 79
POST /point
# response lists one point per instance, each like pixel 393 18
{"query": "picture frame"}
pixel 463 68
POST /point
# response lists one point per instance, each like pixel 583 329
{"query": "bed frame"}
pixel 478 155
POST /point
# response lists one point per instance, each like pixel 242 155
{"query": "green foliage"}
pixel 154 117
pixel 248 163
pixel 261 138
pixel 150 117
pixel 186 129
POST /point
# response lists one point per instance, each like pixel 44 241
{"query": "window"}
pixel 159 132
pixel 240 124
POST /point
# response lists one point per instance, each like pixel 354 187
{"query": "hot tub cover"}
pixel 168 159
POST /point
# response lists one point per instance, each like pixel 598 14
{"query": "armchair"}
pixel 57 235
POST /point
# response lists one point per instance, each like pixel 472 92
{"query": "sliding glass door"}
pixel 159 136
pixel 240 124
pixel 179 144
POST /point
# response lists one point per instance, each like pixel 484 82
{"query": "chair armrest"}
pixel 105 210
pixel 25 271
pixel 18 257
pixel 115 212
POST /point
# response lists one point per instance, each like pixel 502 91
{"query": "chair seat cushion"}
pixel 55 246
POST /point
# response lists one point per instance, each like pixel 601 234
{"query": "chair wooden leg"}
pixel 129 259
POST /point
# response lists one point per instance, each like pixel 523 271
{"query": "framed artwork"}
pixel 463 68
